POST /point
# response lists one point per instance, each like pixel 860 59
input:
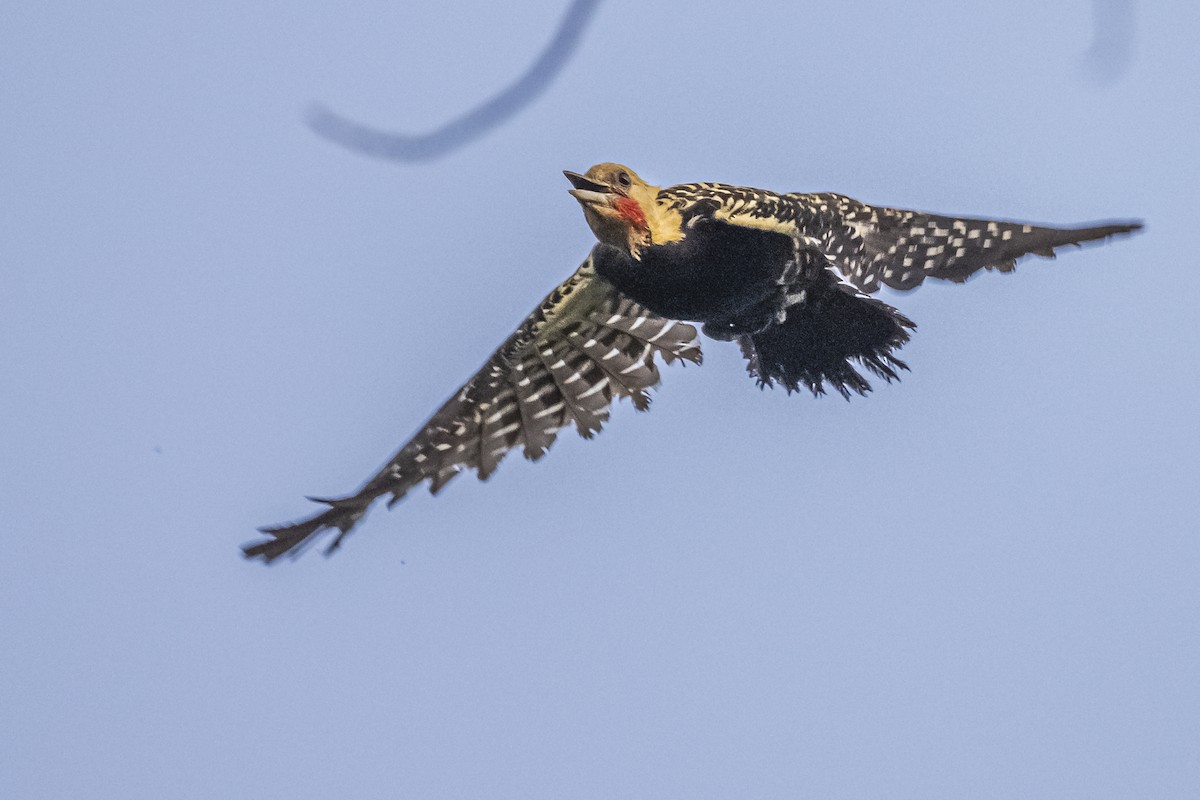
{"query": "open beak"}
pixel 587 191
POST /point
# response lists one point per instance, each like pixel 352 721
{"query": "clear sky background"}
pixel 981 582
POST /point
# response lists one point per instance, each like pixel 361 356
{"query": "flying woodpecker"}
pixel 786 276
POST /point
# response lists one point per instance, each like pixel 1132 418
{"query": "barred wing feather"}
pixel 876 246
pixel 584 345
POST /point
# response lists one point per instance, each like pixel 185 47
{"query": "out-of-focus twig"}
pixel 1111 50
pixel 476 122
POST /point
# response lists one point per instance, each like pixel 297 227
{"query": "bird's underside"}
pixel 786 276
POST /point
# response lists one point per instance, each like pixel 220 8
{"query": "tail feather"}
pixel 820 341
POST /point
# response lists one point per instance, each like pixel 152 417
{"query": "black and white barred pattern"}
pixel 875 246
pixel 583 346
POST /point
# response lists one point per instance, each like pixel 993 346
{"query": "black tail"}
pixel 818 340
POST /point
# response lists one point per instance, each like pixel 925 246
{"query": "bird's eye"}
pixel 623 180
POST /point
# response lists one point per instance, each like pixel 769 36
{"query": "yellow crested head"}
pixel 622 209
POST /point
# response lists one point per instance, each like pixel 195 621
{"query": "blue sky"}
pixel 981 582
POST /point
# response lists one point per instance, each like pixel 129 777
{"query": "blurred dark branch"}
pixel 1111 50
pixel 476 122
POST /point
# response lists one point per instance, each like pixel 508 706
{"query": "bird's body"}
pixel 787 276
pixel 715 271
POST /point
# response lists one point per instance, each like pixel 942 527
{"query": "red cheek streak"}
pixel 630 210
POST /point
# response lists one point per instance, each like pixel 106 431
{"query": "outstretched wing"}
pixel 898 248
pixel 872 246
pixel 584 345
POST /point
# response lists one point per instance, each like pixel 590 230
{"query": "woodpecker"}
pixel 788 277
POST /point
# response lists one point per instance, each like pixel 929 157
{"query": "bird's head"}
pixel 621 208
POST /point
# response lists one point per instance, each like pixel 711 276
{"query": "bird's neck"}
pixel 663 224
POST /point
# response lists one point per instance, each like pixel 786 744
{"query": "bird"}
pixel 788 277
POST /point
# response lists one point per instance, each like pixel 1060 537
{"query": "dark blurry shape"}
pixel 474 123
pixel 1111 50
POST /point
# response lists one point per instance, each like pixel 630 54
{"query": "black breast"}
pixel 716 271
